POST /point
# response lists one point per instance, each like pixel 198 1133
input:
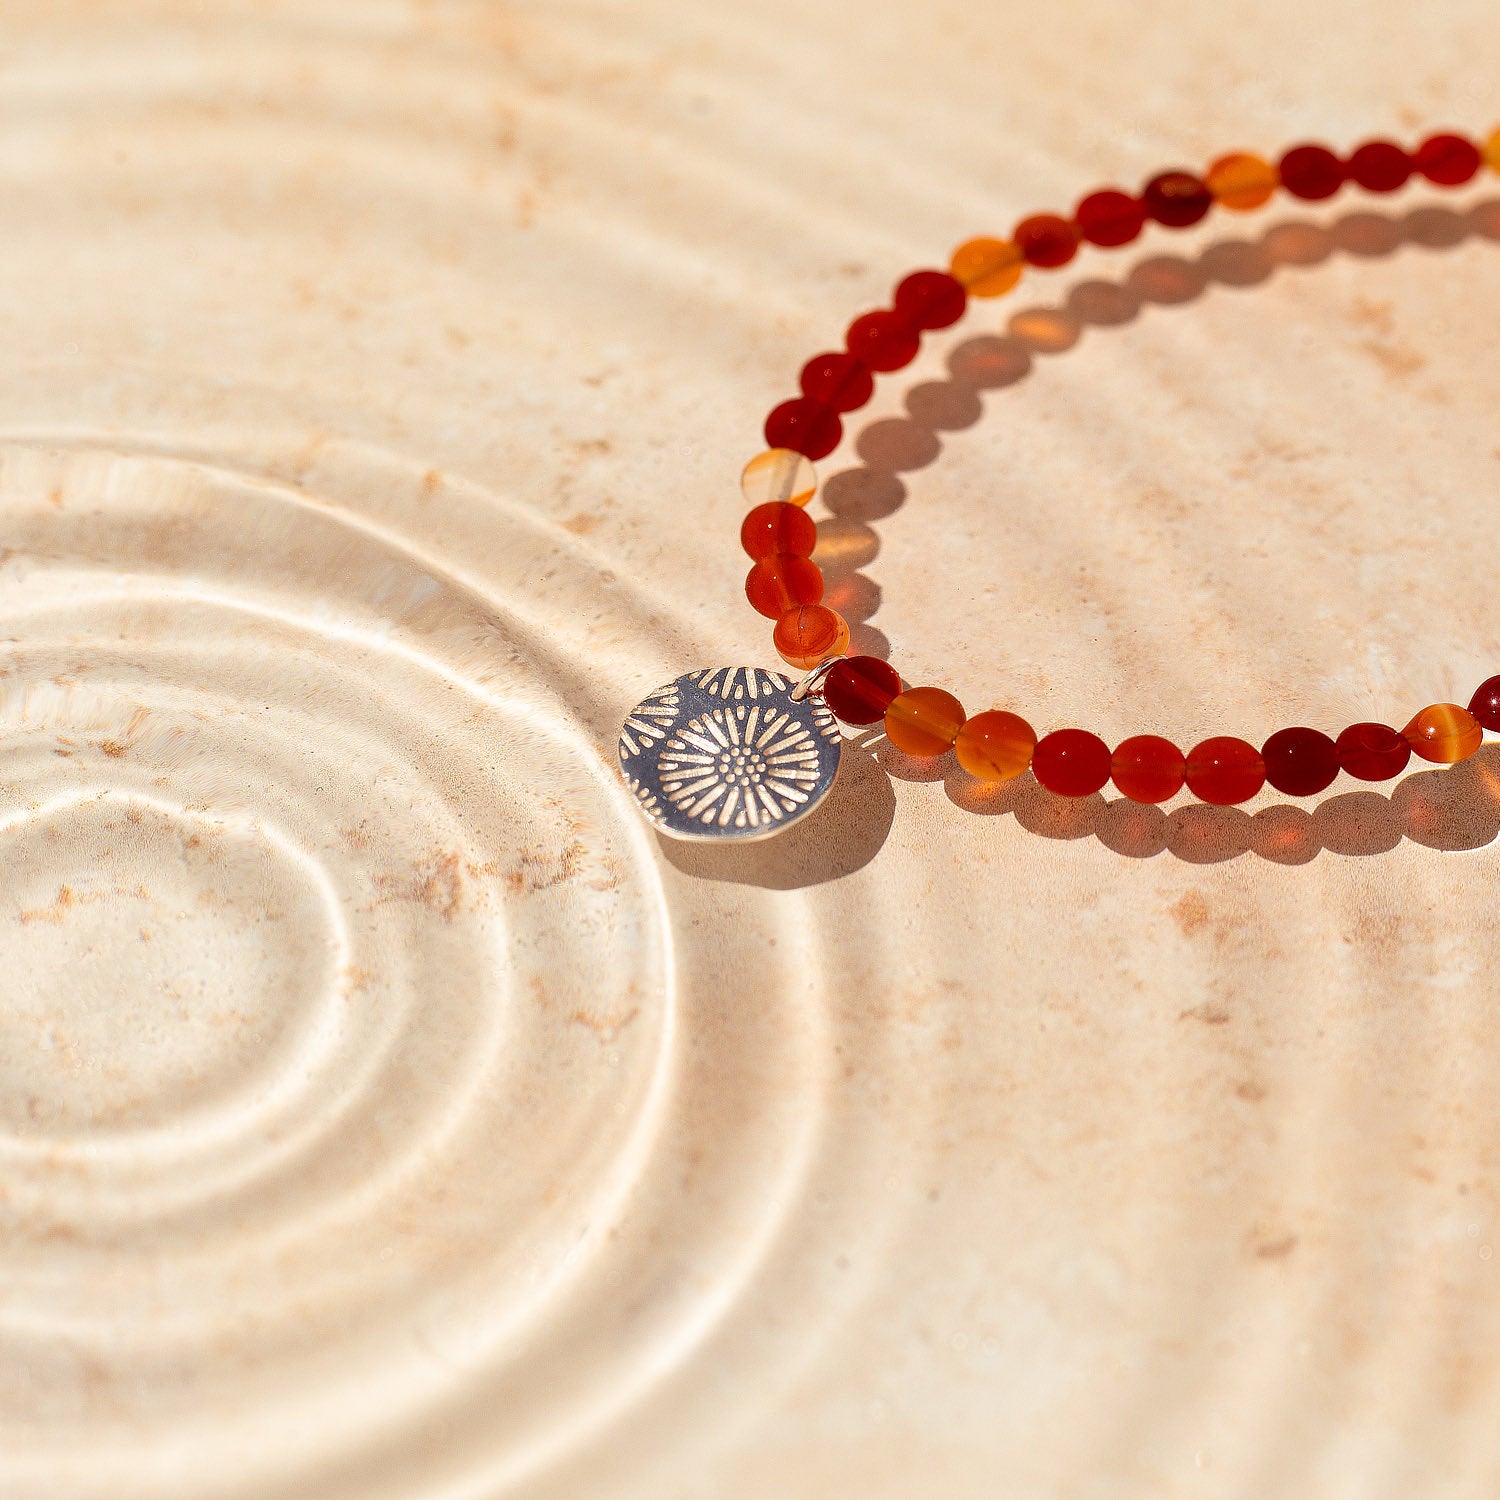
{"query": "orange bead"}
pixel 923 721
pixel 987 268
pixel 779 474
pixel 1491 150
pixel 995 746
pixel 776 527
pixel 1241 181
pixel 782 582
pixel 810 634
pixel 1225 770
pixel 1444 733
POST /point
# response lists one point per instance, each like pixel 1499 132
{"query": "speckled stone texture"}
pixel 385 1112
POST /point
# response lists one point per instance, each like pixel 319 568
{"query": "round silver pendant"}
pixel 727 753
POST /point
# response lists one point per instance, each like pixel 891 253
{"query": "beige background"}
pixel 384 1112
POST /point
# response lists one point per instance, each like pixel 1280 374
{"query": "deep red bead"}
pixel 1177 199
pixel 1485 704
pixel 859 689
pixel 1300 762
pixel 806 427
pixel 1311 172
pixel 1110 217
pixel 1071 762
pixel 883 340
pixel 837 381
pixel 1046 240
pixel 1448 160
pixel 1380 167
pixel 1224 770
pixel 931 299
pixel 1373 752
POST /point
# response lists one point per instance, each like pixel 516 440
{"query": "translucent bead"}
pixel 1147 768
pixel 923 721
pixel 1241 181
pixel 859 689
pixel 1177 199
pixel 807 427
pixel 778 527
pixel 1110 217
pixel 1071 762
pixel 837 381
pixel 1492 151
pixel 1444 733
pixel 1380 167
pixel 810 634
pixel 1300 762
pixel 779 474
pixel 931 299
pixel 1447 160
pixel 883 340
pixel 986 267
pixel 1373 752
pixel 1224 770
pixel 1311 172
pixel 1047 240
pixel 1485 704
pixel 781 582
pixel 995 746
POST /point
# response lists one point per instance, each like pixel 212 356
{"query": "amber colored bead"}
pixel 1071 762
pixel 1444 733
pixel 779 474
pixel 1300 762
pixel 987 267
pixel 1147 768
pixel 1110 217
pixel 995 745
pixel 1447 160
pixel 1177 199
pixel 1485 704
pixel 859 689
pixel 778 527
pixel 837 381
pixel 1373 752
pixel 1311 172
pixel 810 634
pixel 923 721
pixel 1224 770
pixel 781 582
pixel 883 340
pixel 1492 150
pixel 1047 240
pixel 1380 167
pixel 930 299
pixel 1241 181
pixel 806 427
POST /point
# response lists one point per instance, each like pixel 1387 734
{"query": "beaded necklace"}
pixel 741 752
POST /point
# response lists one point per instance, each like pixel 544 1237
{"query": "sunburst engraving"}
pixel 726 753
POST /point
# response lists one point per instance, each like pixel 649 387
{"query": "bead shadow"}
pixel 1449 808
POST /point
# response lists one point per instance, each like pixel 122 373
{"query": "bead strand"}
pixel 786 585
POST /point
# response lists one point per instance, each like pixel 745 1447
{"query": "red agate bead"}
pixel 883 340
pixel 1311 172
pixel 1177 199
pixel 1224 770
pixel 1147 768
pixel 1300 762
pixel 1380 167
pixel 778 526
pixel 859 689
pixel 1447 160
pixel 1071 762
pixel 1046 240
pixel 1373 752
pixel 931 299
pixel 1110 217
pixel 838 381
pixel 1485 704
pixel 806 427
pixel 781 582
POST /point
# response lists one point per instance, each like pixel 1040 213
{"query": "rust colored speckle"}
pixel 539 869
pixel 1191 913
pixel 1277 1249
pixel 435 882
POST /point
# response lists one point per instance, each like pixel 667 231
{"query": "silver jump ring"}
pixel 813 678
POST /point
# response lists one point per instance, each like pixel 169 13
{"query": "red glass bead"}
pixel 859 689
pixel 1380 167
pixel 1224 770
pixel 806 427
pixel 1485 704
pixel 1311 172
pixel 1046 240
pixel 781 582
pixel 1448 160
pixel 1177 199
pixel 1300 762
pixel 1373 752
pixel 1147 768
pixel 1071 762
pixel 838 381
pixel 883 340
pixel 778 527
pixel 931 299
pixel 1110 217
